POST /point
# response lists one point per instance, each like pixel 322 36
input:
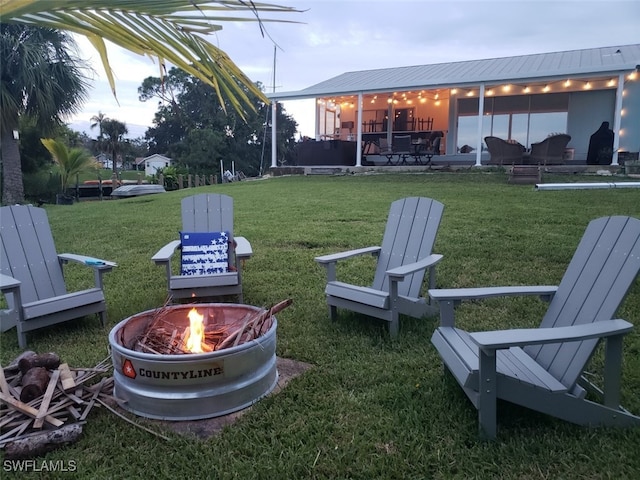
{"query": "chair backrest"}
pixel 502 151
pixel 402 143
pixel 551 148
pixel 208 212
pixel 207 233
pixel 594 285
pixel 29 253
pixel 409 236
pixel 383 144
pixel 435 146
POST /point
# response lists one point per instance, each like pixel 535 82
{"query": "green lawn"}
pixel 370 407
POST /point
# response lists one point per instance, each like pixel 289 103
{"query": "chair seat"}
pixel 514 362
pixel 199 281
pixel 365 295
pixel 68 301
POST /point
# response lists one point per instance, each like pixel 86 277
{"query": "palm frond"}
pixel 169 30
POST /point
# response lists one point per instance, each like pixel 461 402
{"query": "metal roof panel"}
pixel 593 61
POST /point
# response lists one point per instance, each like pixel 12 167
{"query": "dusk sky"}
pixel 337 36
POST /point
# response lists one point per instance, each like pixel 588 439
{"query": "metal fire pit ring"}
pixel 197 385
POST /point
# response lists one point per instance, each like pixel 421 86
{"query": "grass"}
pixel 370 407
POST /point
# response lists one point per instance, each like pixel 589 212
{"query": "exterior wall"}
pixel 155 162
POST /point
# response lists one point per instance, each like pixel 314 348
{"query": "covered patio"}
pixel 361 117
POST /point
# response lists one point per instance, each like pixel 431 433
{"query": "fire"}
pixel 195 339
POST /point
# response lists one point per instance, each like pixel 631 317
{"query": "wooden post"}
pixel 190 181
pixel 180 182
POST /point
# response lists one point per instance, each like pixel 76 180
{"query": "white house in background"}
pixel 154 162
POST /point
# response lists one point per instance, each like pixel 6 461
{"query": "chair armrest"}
pixel 448 298
pixel 330 261
pixel 8 283
pixel 89 261
pixel 243 247
pixel 332 258
pixel 164 254
pixel 399 273
pixel 502 339
pixel 99 266
pixel 458 294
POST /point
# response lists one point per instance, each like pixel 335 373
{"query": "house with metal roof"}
pixel 522 99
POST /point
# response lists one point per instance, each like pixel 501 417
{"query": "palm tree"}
pixel 114 132
pixel 40 78
pixel 173 31
pixel 97 121
pixel 70 161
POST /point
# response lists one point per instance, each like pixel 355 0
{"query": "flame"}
pixel 196 332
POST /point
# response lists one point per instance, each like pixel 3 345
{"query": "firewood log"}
pixel 50 361
pixel 35 445
pixel 34 383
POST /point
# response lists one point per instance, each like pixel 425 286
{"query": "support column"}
pixel 480 116
pixel 274 146
pixel 617 119
pixel 359 132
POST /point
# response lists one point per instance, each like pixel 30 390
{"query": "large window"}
pixel 525 118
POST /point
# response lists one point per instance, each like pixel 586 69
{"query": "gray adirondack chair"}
pixel 206 213
pixel 404 257
pixel 31 275
pixel 543 368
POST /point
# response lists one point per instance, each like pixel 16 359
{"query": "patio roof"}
pixel 524 68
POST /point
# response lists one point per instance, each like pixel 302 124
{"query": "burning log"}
pixel 162 337
pixel 252 325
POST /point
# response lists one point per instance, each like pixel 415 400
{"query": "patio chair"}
pixel 503 152
pixel 402 260
pixel 550 150
pixel 31 275
pixel 543 368
pixel 212 257
pixel 402 147
pixel 386 150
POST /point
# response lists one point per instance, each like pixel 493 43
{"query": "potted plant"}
pixel 71 162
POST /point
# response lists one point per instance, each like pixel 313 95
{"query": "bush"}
pixel 41 186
